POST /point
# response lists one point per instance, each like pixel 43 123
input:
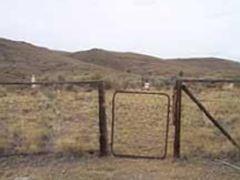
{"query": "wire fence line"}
pixel 70 118
pixel 58 117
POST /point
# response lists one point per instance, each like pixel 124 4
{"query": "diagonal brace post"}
pixel 210 117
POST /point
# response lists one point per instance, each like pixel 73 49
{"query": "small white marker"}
pixel 33 80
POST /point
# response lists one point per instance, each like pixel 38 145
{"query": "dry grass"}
pixel 200 137
pixel 66 123
pixel 46 120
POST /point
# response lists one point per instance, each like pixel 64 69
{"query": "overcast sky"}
pixel 164 28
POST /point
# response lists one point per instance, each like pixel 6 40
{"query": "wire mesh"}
pixel 140 124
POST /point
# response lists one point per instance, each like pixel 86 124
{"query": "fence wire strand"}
pixel 48 119
pixel 200 138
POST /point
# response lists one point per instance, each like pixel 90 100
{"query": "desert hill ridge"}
pixel 18 60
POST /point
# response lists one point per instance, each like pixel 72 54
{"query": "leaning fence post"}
pixel 103 139
pixel 177 117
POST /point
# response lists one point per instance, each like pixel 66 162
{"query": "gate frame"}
pixel 177 109
pixel 113 124
pixel 104 149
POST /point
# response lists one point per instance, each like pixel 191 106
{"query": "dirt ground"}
pixel 51 167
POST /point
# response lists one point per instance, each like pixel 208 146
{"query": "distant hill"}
pixel 143 64
pixel 18 60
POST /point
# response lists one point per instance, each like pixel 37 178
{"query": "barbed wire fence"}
pixel 53 117
pixel 209 119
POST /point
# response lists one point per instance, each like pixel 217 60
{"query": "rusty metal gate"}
pixel 140 124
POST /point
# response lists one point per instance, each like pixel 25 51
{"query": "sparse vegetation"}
pixel 48 120
pixel 64 120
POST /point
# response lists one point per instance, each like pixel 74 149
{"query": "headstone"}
pixel 146 85
pixel 33 80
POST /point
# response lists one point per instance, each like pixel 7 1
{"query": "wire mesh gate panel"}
pixel 140 124
pixel 59 117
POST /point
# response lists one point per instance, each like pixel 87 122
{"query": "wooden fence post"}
pixel 103 139
pixel 177 118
